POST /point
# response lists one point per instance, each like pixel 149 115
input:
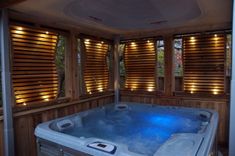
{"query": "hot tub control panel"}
pixel 102 146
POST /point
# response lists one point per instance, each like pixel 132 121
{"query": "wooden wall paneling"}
pixel 67 110
pixel 24 125
pixel 107 100
pixel 85 106
pixel 1 139
pixel 61 112
pixel 32 139
pixel 22 142
pixel 168 101
pixel 94 104
pixel 101 102
pixel 219 105
pixel 49 115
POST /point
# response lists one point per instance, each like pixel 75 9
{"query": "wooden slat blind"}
pixel 34 74
pixel 95 68
pixel 140 63
pixel 204 63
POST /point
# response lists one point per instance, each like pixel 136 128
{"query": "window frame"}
pixel 66 35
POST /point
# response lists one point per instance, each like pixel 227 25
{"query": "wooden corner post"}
pixel 169 81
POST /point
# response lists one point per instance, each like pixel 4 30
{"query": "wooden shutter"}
pixel 204 60
pixel 34 74
pixel 95 68
pixel 140 62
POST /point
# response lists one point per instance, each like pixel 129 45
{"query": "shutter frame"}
pixel 140 65
pixel 204 63
pixel 95 73
pixel 34 74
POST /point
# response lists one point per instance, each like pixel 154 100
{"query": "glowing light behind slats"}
pixel 204 64
pixel 140 62
pixel 34 74
pixel 96 74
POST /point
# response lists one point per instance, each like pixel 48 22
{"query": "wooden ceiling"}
pixel 130 17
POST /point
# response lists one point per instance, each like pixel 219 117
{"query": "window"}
pixel 139 64
pixel 178 64
pixel 204 63
pixel 79 63
pixel 37 65
pixel 95 63
pixel 60 65
pixel 228 61
pixel 122 70
pixel 160 64
pixel 228 54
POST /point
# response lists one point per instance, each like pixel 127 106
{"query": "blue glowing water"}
pixel 142 131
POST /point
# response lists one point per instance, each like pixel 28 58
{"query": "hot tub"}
pixel 130 129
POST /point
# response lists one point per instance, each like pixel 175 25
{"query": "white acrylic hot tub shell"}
pixel 198 144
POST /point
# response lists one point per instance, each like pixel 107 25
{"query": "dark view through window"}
pixel 228 61
pixel 122 65
pixel 160 64
pixel 228 55
pixel 60 65
pixel 178 64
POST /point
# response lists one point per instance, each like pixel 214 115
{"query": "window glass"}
pixel 160 58
pixel 178 64
pixel 228 54
pixel 160 64
pixel 122 70
pixel 60 65
pixel 228 61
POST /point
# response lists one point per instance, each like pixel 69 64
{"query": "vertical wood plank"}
pixel 21 127
pixel 169 81
pixel 1 139
pixel 72 83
